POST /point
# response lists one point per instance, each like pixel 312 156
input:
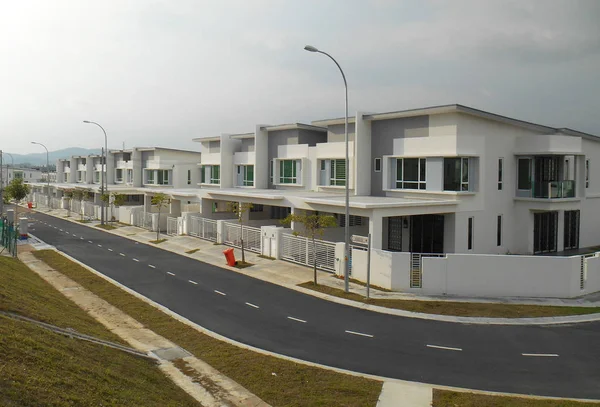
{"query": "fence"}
pixel 203 228
pixel 251 236
pixel 8 236
pixel 89 210
pixel 299 249
pixel 143 220
pixel 171 226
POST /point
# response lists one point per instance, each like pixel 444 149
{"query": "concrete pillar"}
pixel 136 159
pixel 147 203
pixel 73 171
pixel 89 170
pixel 206 207
pixel 10 215
pixel 220 231
pixel 271 241
pixel 110 168
pixel 376 231
pixel 175 207
pixel 340 258
pixel 244 215
pixel 23 227
pixel 560 238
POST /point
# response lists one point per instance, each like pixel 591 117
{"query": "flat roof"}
pixel 242 136
pixel 201 139
pixel 374 202
pixel 291 126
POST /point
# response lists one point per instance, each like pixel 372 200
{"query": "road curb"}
pixel 561 320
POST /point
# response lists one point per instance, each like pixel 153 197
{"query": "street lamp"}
pixel 104 176
pixel 2 178
pixel 310 48
pixel 47 171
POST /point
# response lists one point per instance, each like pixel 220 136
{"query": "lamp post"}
pixel 2 181
pixel 104 182
pixel 310 48
pixel 47 171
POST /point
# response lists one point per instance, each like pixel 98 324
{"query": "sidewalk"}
pixel 289 275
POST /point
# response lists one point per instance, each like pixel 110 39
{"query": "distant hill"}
pixel 40 158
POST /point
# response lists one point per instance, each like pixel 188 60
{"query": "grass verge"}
pixel 192 251
pixel 262 256
pixel 84 221
pixel 40 367
pixel 243 264
pixel 159 241
pixel 294 384
pixel 106 227
pixel 444 398
pixel 462 309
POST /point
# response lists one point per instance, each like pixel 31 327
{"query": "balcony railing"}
pixel 554 189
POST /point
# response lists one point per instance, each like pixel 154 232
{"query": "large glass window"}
pixel 215 174
pixel 248 180
pixel 163 177
pixel 524 173
pixel 130 176
pixel 338 172
pixel 287 172
pixel 411 173
pixel 456 174
pixel 149 176
pixel 119 175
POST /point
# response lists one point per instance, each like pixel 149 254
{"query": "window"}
pixel 97 177
pixel 470 234
pixel 257 208
pixel 248 180
pixel 499 231
pixel 163 177
pixel 287 172
pixel 354 220
pixel 150 176
pixel 587 173
pixel 189 179
pixel 456 174
pixel 338 173
pixel 119 175
pixel 215 176
pixel 271 170
pixel 130 176
pixel 500 169
pixel 524 176
pixel 411 173
pixel 377 165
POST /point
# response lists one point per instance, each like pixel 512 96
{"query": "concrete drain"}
pixel 171 353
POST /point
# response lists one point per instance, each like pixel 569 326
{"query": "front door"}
pixel 545 229
pixel 427 234
pixel 571 230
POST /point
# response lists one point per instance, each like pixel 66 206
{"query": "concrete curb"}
pixel 561 320
pixel 217 336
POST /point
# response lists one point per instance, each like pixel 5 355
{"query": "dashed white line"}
pixel 121 254
pixel 220 293
pixel 99 245
pixel 110 250
pixel 136 260
pixel 81 238
pixel 169 273
pixel 89 241
pixel 151 266
pixel 542 355
pixel 444 348
pixel 252 305
pixel 60 230
pixel 297 320
pixel 359 334
pixel 193 282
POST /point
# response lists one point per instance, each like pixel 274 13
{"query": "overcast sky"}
pixel 158 73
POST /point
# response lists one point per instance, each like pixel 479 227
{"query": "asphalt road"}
pixel 559 361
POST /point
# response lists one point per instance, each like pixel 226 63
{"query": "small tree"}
pixel 17 190
pixel 314 226
pixel 240 208
pixel 68 193
pixel 117 200
pixel 161 201
pixel 106 199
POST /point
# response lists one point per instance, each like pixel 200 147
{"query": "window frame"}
pixel 499 230
pixel 334 181
pixel 529 162
pixel 292 178
pixel 117 180
pixel 377 164
pixel 189 177
pixel 587 173
pixel 421 181
pixel 465 169
pixel 500 173
pixel 245 180
pixel 470 232
pixel 215 180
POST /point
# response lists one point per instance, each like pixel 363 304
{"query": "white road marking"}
pixel 110 250
pixel 99 245
pixel 296 319
pixel 444 347
pixel 252 305
pixel 220 293
pixel 89 241
pixel 193 282
pixel 169 273
pixel 81 238
pixel 121 254
pixel 136 243
pixel 136 260
pixel 542 355
pixel 60 230
pixel 150 265
pixel 67 233
pixel 360 334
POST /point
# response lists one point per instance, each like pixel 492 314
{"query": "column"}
pixel 376 230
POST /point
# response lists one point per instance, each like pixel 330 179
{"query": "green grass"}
pixel 444 398
pixel 242 264
pixel 39 367
pixel 106 227
pixel 192 251
pixel 159 241
pixel 462 309
pixel 294 384
pixel 84 221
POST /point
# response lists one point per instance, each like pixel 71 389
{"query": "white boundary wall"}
pixel 480 275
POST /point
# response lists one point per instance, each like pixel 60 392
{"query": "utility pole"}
pixel 1 186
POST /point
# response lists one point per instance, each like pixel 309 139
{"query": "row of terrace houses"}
pixel 444 179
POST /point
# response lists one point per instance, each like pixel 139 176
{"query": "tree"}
pixel 81 195
pixel 314 225
pixel 161 201
pixel 117 200
pixel 17 190
pixel 240 208
pixel 68 193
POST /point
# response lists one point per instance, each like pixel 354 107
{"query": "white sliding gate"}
pixel 203 228
pixel 299 249
pixel 252 238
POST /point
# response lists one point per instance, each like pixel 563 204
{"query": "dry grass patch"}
pixel 243 264
pixel 293 385
pixel 106 227
pixel 159 241
pixel 192 251
pixel 444 398
pixel 462 309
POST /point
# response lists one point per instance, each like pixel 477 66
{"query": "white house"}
pixel 26 174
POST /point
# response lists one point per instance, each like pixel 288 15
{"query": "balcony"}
pixel 554 189
pixel 547 177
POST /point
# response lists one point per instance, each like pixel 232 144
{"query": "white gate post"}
pixel 340 258
pixel 220 230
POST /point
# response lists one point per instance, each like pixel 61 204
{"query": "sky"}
pixel 159 73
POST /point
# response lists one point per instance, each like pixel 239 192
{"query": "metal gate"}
pixel 251 235
pixel 171 226
pixel 142 219
pixel 299 249
pixel 203 228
